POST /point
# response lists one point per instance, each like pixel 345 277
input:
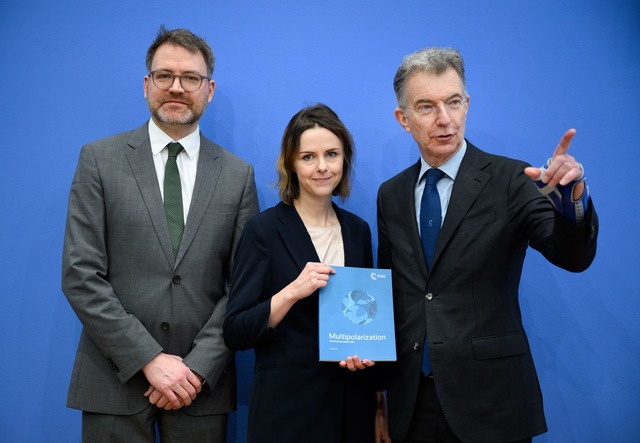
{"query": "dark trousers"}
pixel 172 427
pixel 428 424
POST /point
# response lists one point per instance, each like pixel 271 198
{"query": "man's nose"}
pixel 443 117
pixel 176 85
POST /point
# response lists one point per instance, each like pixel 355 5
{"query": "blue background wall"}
pixel 72 72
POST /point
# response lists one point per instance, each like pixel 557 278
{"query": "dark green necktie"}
pixel 173 197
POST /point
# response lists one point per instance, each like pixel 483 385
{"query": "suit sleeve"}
pixel 210 356
pixel 368 251
pixel 384 247
pixel 566 245
pixel 121 337
pixel 249 302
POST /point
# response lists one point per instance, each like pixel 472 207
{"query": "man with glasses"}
pixel 154 218
pixel 454 228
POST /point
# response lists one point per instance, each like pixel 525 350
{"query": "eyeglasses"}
pixel 189 82
pixel 432 110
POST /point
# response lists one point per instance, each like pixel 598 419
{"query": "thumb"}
pixel 533 173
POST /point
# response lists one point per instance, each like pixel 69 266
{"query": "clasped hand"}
pixel 172 384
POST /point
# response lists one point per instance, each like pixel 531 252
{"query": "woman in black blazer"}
pixel 282 260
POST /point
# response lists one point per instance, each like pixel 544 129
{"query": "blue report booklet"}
pixel 356 315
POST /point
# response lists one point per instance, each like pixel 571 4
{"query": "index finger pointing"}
pixel 565 142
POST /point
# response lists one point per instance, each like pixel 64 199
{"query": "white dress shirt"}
pixel 187 160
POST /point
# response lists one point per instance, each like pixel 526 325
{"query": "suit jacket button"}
pixel 113 365
pixel 176 280
pixel 428 296
pixel 165 326
pixel 416 346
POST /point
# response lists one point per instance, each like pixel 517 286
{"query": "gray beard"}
pixel 188 118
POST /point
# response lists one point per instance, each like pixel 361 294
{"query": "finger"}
pixel 563 171
pixel 170 396
pixel 185 396
pixel 171 407
pixel 178 395
pixel 565 142
pixel 195 382
pixel 149 390
pixel 162 402
pixel 321 268
pixel 572 175
pixel 174 404
pixel 348 363
pixel 155 397
pixel 354 363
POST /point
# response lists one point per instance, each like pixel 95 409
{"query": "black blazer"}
pixel 468 304
pixel 294 398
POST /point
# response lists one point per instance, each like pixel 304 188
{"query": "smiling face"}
pixel 438 134
pixel 176 111
pixel 318 163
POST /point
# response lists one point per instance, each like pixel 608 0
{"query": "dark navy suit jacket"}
pixel 468 302
pixel 295 397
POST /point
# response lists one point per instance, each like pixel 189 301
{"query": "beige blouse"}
pixel 328 243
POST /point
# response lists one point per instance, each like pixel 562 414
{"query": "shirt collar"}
pixel 450 167
pixel 159 140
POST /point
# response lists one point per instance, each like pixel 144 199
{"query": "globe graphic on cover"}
pixel 359 307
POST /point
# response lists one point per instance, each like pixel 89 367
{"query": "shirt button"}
pixel 165 326
pixel 428 296
pixel 416 346
pixel 176 280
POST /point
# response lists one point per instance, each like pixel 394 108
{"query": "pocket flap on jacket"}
pixel 499 346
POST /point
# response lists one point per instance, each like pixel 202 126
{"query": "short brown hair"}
pixel 312 117
pixel 186 39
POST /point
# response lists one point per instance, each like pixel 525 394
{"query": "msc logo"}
pixel 375 276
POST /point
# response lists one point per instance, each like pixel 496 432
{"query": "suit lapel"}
pixel 349 239
pixel 141 162
pixel 209 168
pixel 295 235
pixel 470 181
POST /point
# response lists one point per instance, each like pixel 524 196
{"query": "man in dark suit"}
pixel 151 229
pixel 456 244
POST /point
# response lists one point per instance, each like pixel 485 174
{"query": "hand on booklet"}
pixel 353 363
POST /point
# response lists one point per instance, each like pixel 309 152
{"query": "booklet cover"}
pixel 356 315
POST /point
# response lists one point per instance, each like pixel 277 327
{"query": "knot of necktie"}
pixel 174 149
pixel 433 176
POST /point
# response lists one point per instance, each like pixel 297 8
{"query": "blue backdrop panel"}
pixel 72 72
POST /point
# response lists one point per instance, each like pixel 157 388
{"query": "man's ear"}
pixel 402 119
pixel 212 88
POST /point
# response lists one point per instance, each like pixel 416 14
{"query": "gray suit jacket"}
pixel 120 277
pixel 468 302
